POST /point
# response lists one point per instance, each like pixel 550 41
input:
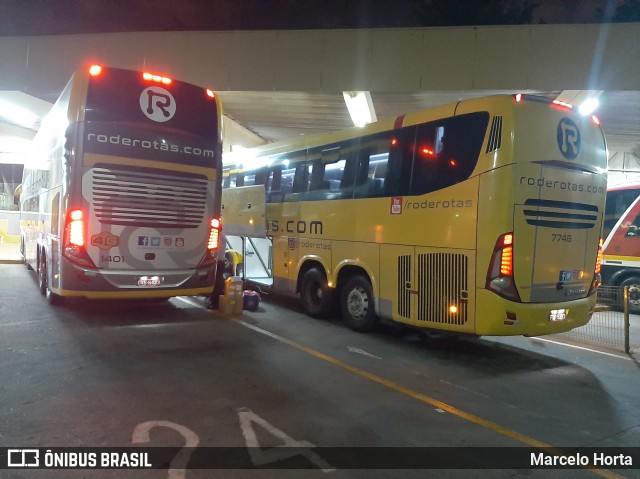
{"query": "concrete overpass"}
pixel 281 84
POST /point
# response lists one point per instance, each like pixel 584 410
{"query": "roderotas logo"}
pixel 569 140
pixel 157 104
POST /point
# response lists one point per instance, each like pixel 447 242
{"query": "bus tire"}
pixel 356 303
pixel 315 295
pixel 42 274
pixel 634 293
pixel 24 255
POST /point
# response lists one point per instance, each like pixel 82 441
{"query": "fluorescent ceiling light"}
pixel 17 115
pixel 360 107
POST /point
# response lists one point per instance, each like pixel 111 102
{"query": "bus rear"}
pixel 142 214
pixel 540 255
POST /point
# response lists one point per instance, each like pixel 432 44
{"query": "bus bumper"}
pixel 501 317
pixel 76 281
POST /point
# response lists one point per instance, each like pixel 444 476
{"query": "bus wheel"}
pixel 356 303
pixel 315 294
pixel 42 274
pixel 634 293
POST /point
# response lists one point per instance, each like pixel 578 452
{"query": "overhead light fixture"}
pixel 360 107
pixel 588 106
pixel 17 115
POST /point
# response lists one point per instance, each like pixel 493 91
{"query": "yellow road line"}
pixel 425 399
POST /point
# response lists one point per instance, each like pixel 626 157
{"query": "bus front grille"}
pixel 442 285
pixel 144 197
pixel 560 214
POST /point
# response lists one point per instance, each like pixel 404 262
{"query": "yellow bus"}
pixel 481 217
pixel 121 194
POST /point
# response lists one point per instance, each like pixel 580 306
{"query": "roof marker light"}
pixel 563 104
pixel 95 70
pixel 157 78
pixel 518 97
pixel 595 119
pixel 210 93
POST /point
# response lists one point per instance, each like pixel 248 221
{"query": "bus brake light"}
pixel 214 235
pixel 76 228
pixel 562 104
pixel 597 278
pixel 500 275
pixel 157 78
pixel 75 240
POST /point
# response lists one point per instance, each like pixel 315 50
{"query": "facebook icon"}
pixel 143 241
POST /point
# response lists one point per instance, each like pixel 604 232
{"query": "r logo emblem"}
pixel 157 104
pixel 568 138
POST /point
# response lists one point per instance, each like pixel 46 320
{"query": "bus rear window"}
pixel 120 96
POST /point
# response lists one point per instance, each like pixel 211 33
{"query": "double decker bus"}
pixel 621 262
pixel 481 217
pixel 121 193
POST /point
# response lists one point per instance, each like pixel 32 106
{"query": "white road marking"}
pixel 583 348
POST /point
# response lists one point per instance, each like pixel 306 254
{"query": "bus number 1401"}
pixel 112 259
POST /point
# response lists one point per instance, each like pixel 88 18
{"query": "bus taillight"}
pixel 214 235
pixel 597 279
pixel 74 239
pixel 76 228
pixel 500 275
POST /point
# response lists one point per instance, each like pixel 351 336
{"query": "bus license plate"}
pixel 558 314
pixel 150 281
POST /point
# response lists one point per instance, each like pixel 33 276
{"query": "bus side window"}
pixel 401 153
pixel 426 171
pixel 348 162
pixel 273 185
pixel 248 178
pixel 373 156
pixel 301 178
pixel 261 176
pixel 634 228
pixel 447 151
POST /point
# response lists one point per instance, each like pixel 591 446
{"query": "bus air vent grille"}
pixel 149 198
pixel 560 214
pixel 442 282
pixel 495 136
pixel 404 279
